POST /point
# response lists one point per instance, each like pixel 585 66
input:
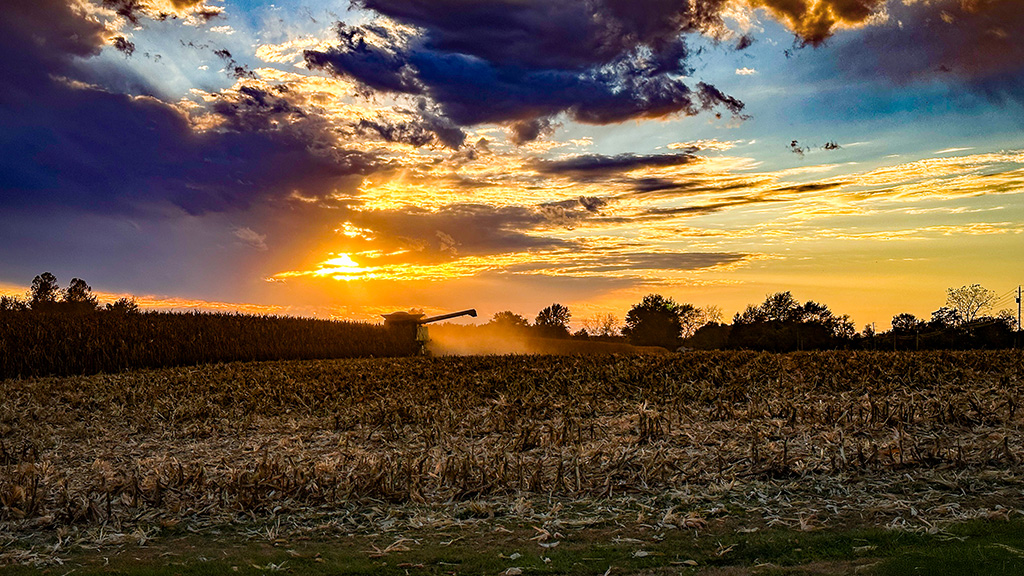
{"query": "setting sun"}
pixel 341 267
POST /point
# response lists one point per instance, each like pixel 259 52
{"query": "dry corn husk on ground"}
pixel 809 440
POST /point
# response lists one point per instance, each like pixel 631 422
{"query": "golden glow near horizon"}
pixel 763 214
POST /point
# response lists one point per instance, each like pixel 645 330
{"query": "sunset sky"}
pixel 337 159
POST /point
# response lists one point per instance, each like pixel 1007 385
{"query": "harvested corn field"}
pixel 810 440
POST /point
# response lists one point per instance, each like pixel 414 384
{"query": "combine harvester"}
pixel 414 326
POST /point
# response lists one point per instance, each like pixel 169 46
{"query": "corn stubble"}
pixel 305 437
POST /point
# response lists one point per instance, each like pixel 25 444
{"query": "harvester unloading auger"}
pixel 413 325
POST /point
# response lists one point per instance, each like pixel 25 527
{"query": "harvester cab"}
pixel 412 325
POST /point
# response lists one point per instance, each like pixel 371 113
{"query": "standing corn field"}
pixel 39 344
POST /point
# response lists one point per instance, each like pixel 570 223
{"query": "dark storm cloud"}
pixel 408 128
pixel 106 152
pixel 74 145
pixel 232 67
pixel 41 37
pixel 977 44
pixel 509 61
pixel 533 33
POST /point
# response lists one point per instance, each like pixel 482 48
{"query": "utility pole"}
pixel 1018 308
pixel 1016 339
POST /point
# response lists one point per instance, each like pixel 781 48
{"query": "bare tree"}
pixel 602 324
pixel 694 319
pixel 970 301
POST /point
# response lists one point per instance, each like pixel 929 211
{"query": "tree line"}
pixel 783 324
pixel 780 323
pixel 46 296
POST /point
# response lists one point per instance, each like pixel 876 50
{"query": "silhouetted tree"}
pixel 1008 317
pixel 44 293
pixel 906 323
pixel 123 306
pixel 945 317
pixel 12 304
pixel 781 307
pixel 553 321
pixel 508 319
pixel 654 322
pixel 78 298
pixel 781 323
pixel 710 336
pixel 970 301
pixel 750 315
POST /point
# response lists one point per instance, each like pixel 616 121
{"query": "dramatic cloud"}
pixel 251 108
pixel 533 32
pixel 614 264
pixel 117 153
pixel 471 229
pixel 133 10
pixel 509 62
pixel 641 173
pixel 413 129
pixel 529 130
pixel 977 43
pixel 43 37
pixel 72 144
pixel 813 21
pixel 590 166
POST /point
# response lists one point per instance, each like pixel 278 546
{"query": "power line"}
pixel 1007 293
